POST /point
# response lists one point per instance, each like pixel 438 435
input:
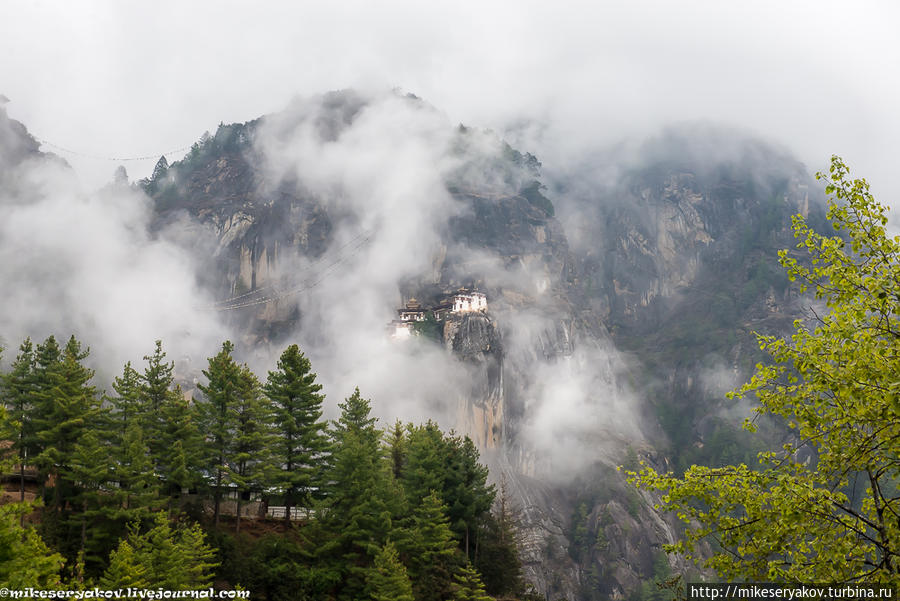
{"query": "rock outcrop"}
pixel 671 264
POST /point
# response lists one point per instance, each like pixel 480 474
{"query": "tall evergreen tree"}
pixel 18 387
pixel 47 357
pixel 138 496
pixel 361 506
pixel 397 446
pixel 215 417
pixel 72 408
pixel 300 444
pixel 497 559
pixel 181 454
pixel 356 416
pixel 468 495
pixel 93 508
pixel 155 389
pixel 249 462
pixel 126 405
pixel 431 550
pixel 448 465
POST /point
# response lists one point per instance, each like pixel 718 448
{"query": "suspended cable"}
pixel 148 157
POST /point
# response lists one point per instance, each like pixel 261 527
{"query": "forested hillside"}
pixel 141 487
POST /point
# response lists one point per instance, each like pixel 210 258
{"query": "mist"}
pixel 381 163
pixel 82 263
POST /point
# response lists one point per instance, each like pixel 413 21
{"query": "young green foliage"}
pixel 388 581
pixel 25 561
pixel 165 557
pixel 830 515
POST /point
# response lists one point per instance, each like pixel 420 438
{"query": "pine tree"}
pixel 431 550
pixel 92 471
pixel 155 390
pixel 47 358
pixel 138 496
pixel 25 560
pixel 72 407
pixel 249 465
pixel 468 585
pixel 466 491
pixel 497 559
pixel 355 416
pixel 448 465
pixel 388 580
pixel 361 506
pixel 215 418
pixel 126 406
pixel 163 557
pixel 18 387
pixel 397 446
pixel 300 445
pixel 181 454
pixel 125 569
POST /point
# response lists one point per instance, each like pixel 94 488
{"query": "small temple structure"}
pixel 413 311
pixel 463 300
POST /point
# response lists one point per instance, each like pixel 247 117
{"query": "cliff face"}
pixel 673 263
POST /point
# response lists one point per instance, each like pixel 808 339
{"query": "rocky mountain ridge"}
pixel 620 311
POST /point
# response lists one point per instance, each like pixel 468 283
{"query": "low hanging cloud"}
pixel 86 264
pixel 382 164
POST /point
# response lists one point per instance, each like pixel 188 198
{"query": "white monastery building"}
pixel 466 302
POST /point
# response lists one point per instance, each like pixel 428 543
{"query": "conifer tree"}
pixel 397 446
pixel 388 580
pixel 92 471
pixel 138 496
pixel 497 559
pixel 125 569
pixel 448 465
pixel 431 550
pixel 47 356
pixel 215 417
pixel 249 464
pixel 355 416
pixel 164 557
pixel 360 509
pixel 300 445
pixel 155 389
pixel 25 560
pixel 72 407
pixel 468 585
pixel 18 387
pixel 181 453
pixel 126 405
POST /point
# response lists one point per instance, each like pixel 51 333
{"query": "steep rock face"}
pixel 474 338
pixel 646 249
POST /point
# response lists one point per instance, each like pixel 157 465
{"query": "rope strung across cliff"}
pixel 149 157
pixel 355 245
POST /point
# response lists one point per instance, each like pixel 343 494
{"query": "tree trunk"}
pixel 467 543
pixel 237 527
pixel 22 487
pixel 217 497
pixel 287 511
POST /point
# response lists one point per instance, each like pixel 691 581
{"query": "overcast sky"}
pixel 121 78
